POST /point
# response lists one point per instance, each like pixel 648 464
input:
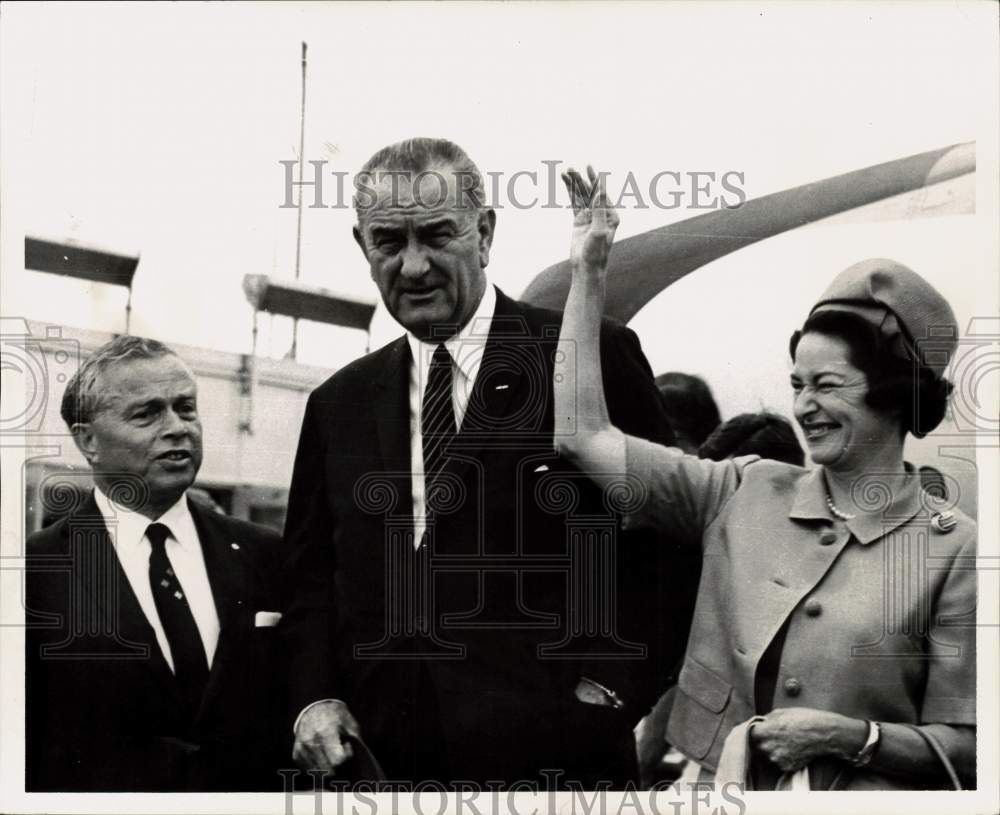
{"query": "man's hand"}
pixel 594 221
pixel 320 736
pixel 791 737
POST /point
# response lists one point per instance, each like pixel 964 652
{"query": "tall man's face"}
pixel 426 252
pixel 146 425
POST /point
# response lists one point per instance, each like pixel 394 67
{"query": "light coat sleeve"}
pixel 671 491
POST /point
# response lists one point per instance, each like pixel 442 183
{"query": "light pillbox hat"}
pixel 910 313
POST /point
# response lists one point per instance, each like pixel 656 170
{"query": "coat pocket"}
pixel 698 710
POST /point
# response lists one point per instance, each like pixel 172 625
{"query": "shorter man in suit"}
pixel 151 660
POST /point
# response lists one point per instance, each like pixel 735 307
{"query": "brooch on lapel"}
pixel 944 522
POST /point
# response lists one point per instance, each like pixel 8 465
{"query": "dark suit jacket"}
pixel 470 648
pixel 102 708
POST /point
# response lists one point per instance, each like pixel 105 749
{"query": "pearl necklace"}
pixel 843 516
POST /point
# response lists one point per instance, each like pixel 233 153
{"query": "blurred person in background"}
pixel 763 434
pixel 690 408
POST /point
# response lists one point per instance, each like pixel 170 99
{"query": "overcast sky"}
pixel 159 129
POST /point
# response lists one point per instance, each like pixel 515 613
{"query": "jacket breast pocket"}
pixel 699 709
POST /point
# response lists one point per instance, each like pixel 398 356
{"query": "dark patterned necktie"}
pixel 186 648
pixel 437 418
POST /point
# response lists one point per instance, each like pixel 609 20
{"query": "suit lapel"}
pixel 391 409
pixel 104 589
pixel 224 562
pixel 228 574
pixel 500 384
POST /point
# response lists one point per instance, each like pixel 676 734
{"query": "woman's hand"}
pixel 594 221
pixel 791 737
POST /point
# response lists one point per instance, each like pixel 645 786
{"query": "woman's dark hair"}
pixel 895 385
pixel 690 407
pixel 767 435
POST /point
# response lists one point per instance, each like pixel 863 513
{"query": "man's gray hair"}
pixel 81 401
pixel 419 155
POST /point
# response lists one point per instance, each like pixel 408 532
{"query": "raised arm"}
pixel 676 493
pixel 584 433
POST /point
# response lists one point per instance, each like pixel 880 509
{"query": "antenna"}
pixel 298 230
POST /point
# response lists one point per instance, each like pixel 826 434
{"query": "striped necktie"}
pixel 437 418
pixel 186 648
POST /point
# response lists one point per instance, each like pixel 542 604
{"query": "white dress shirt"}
pixel 466 351
pixel 128 535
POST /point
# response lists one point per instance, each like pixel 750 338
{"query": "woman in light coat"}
pixel 836 603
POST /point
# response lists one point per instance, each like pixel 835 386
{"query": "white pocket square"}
pixel 266 619
pixel 543 468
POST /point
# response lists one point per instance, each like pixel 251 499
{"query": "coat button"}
pixel 814 607
pixel 792 686
pixel 827 538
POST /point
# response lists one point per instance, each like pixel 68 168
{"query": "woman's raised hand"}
pixel 594 221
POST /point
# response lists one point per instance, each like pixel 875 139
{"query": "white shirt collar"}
pixel 465 347
pixel 130 527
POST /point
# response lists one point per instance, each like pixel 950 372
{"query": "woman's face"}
pixel 841 430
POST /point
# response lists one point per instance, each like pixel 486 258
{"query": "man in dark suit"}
pixel 459 605
pixel 151 660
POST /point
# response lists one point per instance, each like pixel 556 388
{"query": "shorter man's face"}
pixel 146 425
pixel 427 255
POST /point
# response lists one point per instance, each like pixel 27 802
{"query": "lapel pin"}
pixel 235 545
pixel 501 387
pixel 944 522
